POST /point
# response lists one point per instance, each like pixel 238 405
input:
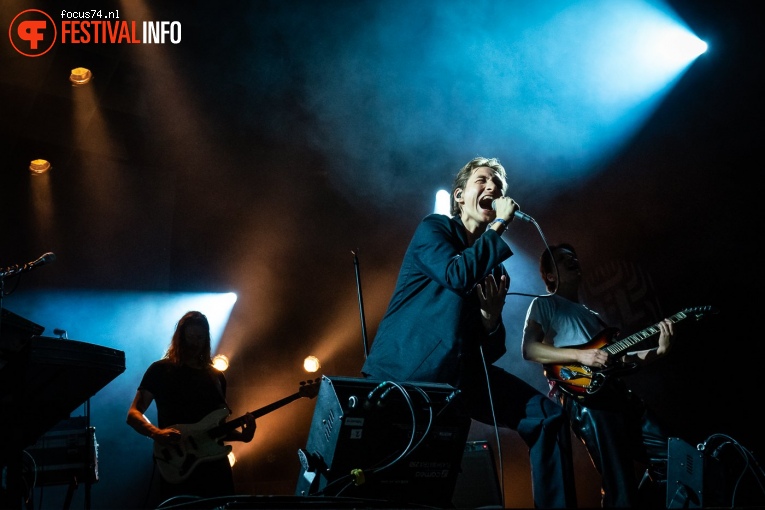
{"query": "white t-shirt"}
pixel 565 323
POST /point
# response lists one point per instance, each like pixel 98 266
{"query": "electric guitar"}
pixel 203 441
pixel 581 380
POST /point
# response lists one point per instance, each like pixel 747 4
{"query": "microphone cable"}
pixel 525 217
pixel 531 220
pixel 495 426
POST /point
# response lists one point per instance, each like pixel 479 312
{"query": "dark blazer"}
pixel 432 328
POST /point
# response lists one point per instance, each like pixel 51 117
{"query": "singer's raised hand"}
pixel 492 299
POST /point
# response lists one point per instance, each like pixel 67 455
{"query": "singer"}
pixel 444 325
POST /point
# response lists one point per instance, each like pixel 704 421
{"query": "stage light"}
pixel 443 203
pixel 80 76
pixel 39 166
pixel 311 364
pixel 231 459
pixel 220 362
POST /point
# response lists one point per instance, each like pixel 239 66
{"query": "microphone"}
pixel 518 214
pixel 45 258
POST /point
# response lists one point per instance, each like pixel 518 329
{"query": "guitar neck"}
pixel 308 389
pixel 237 422
pixel 617 348
pixel 276 405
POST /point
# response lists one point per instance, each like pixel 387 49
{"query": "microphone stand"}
pixel 2 293
pixel 361 303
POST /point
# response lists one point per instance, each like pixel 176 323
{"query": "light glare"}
pixel 220 362
pixel 443 203
pixel 311 364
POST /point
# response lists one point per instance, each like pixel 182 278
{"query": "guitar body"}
pixel 580 379
pixel 176 462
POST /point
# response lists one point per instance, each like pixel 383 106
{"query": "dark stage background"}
pixel 278 137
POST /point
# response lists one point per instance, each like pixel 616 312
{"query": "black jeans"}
pixel 539 421
pixel 618 430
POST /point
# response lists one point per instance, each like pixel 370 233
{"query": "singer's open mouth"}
pixel 485 202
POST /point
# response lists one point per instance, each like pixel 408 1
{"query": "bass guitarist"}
pixel 613 423
pixel 188 390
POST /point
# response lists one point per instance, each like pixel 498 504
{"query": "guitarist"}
pixel 613 423
pixel 186 389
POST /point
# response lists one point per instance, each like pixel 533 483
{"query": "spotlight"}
pixel 220 362
pixel 80 76
pixel 231 458
pixel 39 166
pixel 311 364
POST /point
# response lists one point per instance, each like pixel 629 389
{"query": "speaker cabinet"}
pixel 478 484
pixel 695 478
pixel 379 440
pixel 685 475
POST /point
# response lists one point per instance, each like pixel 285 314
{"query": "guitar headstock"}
pixel 699 312
pixel 309 388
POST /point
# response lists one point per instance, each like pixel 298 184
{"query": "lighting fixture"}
pixel 39 166
pixel 220 362
pixel 80 76
pixel 311 364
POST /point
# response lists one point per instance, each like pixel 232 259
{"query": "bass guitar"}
pixel 203 441
pixel 581 380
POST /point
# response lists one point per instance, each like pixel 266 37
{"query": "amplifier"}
pixel 379 440
pixel 67 454
pixel 478 484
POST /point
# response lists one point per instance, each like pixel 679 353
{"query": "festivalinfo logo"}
pixel 33 32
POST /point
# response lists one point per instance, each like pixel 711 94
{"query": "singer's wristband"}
pixel 501 222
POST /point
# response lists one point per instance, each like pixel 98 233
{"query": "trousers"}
pixel 539 421
pixel 618 431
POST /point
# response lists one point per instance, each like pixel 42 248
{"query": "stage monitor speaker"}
pixel 695 478
pixel 383 440
pixel 478 484
pixel 685 475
